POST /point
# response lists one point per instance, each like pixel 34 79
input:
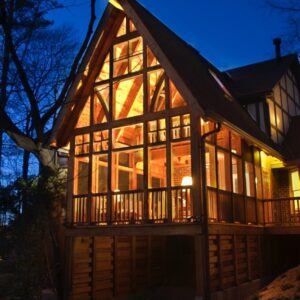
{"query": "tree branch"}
pixel 22 74
pixel 15 133
pixel 292 7
pixel 74 67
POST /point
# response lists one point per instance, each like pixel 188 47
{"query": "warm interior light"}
pixel 186 181
pixel 116 4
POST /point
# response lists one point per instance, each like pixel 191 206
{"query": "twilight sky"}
pixel 229 33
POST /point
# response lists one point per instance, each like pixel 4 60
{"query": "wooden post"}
pixel 195 154
pixel 70 182
pixel 169 155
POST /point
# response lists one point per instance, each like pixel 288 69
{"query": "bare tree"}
pixel 20 22
pixel 291 9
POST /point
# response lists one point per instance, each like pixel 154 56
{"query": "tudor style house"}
pixel 182 179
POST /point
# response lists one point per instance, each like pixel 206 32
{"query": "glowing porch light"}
pixel 186 181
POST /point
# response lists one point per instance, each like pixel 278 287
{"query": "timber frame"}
pixel 165 156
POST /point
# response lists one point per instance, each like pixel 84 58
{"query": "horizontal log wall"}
pixel 233 260
pixel 105 267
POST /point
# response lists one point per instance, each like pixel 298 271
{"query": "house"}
pixel 182 178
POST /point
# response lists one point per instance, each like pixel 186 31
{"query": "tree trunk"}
pixel 25 167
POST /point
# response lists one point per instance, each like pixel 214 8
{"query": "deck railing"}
pixel 282 211
pixel 157 205
pixel 182 206
pixel 223 207
pixel 99 209
pixel 228 207
pixel 127 207
pixel 80 215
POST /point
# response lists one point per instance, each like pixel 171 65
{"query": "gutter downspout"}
pixel 205 210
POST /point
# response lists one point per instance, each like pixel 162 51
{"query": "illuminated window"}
pixel 128 136
pixel 104 73
pixel 223 138
pixel 99 173
pixel 180 127
pixel 258 182
pixel 272 112
pixel 224 177
pixel 122 29
pixel 295 183
pixel 127 170
pixel 236 147
pixel 210 160
pixel 156 91
pixel 157 168
pixel 100 142
pixel 84 117
pixel 157 131
pixel 207 126
pixel 132 27
pixel 81 175
pixel 249 179
pixel 128 98
pixel 101 104
pixel 175 97
pixel 237 175
pixel 128 57
pixel 82 144
pixel 181 162
pixel 151 59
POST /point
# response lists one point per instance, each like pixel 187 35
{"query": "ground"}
pixel 284 287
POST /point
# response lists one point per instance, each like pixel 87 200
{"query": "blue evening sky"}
pixel 229 33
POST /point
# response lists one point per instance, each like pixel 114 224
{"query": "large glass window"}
pixel 210 160
pixel 128 98
pixel 99 173
pixel 181 163
pixel 128 56
pixel 81 175
pixel 128 136
pixel 249 179
pixel 127 170
pixel 237 175
pixel 224 177
pixel 157 167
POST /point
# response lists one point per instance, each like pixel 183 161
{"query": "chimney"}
pixel 277 44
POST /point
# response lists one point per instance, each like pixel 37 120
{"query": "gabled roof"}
pixel 190 72
pixel 259 78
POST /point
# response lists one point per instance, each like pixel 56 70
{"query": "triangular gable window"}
pixel 101 104
pixel 175 97
pixel 151 59
pixel 84 118
pixel 156 91
pixel 122 30
pixel 132 27
pixel 104 73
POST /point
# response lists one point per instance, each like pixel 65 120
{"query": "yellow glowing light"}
pixel 116 4
pixel 186 181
